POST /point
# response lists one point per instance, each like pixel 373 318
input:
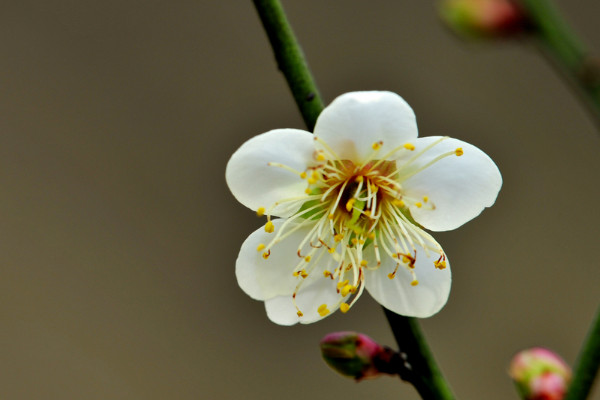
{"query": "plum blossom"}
pixel 346 208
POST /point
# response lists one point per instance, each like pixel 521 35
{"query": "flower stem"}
pixel 290 60
pixel 425 374
pixel 587 364
pixel 566 53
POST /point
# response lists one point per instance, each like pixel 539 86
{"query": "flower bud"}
pixel 483 18
pixel 540 374
pixel 352 354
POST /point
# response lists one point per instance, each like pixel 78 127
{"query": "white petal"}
pixel 354 121
pixel 266 278
pixel 399 296
pixel 282 311
pixel 256 184
pixel 459 188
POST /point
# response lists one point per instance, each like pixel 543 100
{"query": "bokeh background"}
pixel 118 235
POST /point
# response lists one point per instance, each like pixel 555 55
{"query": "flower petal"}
pixel 282 311
pixel 459 188
pixel 267 278
pixel 256 184
pixel 354 121
pixel 399 296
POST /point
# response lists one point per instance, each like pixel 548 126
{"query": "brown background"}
pixel 118 234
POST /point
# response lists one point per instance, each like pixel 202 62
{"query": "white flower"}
pixel 352 199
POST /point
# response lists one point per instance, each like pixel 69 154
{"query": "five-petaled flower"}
pixel 352 200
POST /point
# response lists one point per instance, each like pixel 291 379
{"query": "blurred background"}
pixel 118 235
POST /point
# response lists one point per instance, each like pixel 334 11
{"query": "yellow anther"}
pixel 307 191
pixel 371 235
pixel 307 258
pixel 322 310
pixel 414 283
pixel 368 213
pixel 320 157
pixel 331 250
pixel 260 212
pixel 300 313
pixel 354 240
pixel 425 199
pixel 342 284
pixel 269 227
pixel 363 263
pixel 361 241
pixel 392 275
pixel 303 175
pixel 266 254
pixel 330 216
pixel 358 179
pixel 398 203
pixel 344 307
pixel 326 274
pixel 338 237
pixel 405 259
pixel 350 204
pixel 377 145
pixel 347 289
pixel 315 175
pixel 260 247
pixel 374 188
pixel 409 146
pixel 459 151
pixel 419 205
pixel 440 264
pixel 311 181
pixel 303 274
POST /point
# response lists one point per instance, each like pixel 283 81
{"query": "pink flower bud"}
pixel 353 354
pixel 540 374
pixel 483 18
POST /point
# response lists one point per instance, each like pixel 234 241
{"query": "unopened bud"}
pixel 355 355
pixel 540 374
pixel 483 18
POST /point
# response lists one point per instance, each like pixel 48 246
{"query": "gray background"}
pixel 118 234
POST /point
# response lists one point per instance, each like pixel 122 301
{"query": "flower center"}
pixel 349 207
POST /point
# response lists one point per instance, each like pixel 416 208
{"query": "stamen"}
pixel 350 204
pixel 322 310
pixel 459 151
pixel 260 247
pixel 269 227
pixel 344 307
pixel 260 212
pixel 409 146
pixel 347 290
pixel 440 263
pixel 429 164
pixel 342 284
pixel 393 274
pixel 287 168
pixel 376 147
pixel 332 153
